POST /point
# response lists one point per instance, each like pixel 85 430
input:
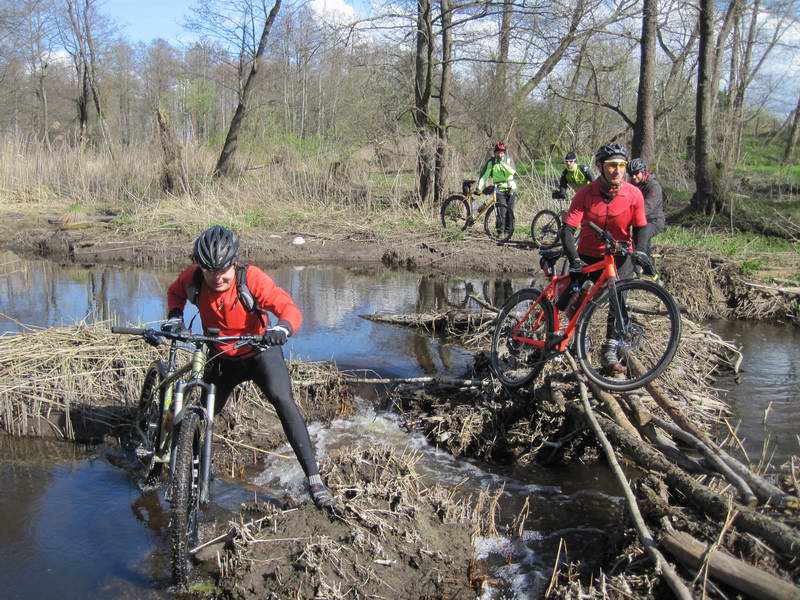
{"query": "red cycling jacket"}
pixel 617 217
pixel 224 311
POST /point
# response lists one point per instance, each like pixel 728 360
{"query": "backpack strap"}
pixel 249 302
pixel 193 289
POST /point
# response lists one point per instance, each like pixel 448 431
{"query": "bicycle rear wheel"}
pixel 185 495
pixel 643 343
pixel 523 321
pixel 490 226
pixel 455 213
pixel 147 425
pixel 545 229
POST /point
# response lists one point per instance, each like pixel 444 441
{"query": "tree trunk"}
pixel 644 130
pixel 422 95
pixel 737 110
pixel 173 177
pixel 730 18
pixel 500 92
pixel 225 160
pixel 788 152
pixel 440 174
pixel 704 198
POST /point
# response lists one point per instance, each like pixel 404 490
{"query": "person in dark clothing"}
pixel 235 309
pixel 574 176
pixel 647 183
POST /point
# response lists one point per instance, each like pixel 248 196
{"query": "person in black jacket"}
pixel 574 176
pixel 642 178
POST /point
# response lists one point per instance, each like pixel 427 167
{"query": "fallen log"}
pixel 614 408
pixel 728 570
pixel 765 491
pixel 456 320
pixel 779 536
pixel 663 567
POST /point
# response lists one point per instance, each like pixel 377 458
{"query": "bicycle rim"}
pixel 185 496
pixel 644 343
pixel 545 229
pixel 455 213
pixel 490 226
pixel 523 319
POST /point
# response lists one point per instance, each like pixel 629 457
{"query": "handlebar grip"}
pixel 128 330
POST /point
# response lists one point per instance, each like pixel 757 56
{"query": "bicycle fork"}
pixel 207 413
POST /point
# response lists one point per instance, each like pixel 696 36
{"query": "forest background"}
pixel 291 116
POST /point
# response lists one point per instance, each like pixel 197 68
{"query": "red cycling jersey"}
pixel 224 311
pixel 617 217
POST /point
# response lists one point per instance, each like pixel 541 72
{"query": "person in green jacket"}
pixel 500 169
pixel 574 176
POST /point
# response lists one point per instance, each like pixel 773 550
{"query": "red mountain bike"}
pixel 636 321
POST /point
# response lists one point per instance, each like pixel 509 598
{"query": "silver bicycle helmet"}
pixel 216 249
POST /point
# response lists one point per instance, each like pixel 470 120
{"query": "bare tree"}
pixel 644 130
pixel 794 133
pixel 423 73
pixel 444 101
pixel 237 24
pixel 705 198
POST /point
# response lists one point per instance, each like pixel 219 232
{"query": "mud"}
pixel 396 538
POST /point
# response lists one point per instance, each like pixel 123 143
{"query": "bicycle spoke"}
pixel 646 338
pixel 518 342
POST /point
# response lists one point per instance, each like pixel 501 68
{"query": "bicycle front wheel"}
pixel 518 343
pixel 501 235
pixel 185 496
pixel 545 229
pixel 624 351
pixel 455 213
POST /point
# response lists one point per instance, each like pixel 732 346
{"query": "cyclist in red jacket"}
pixel 614 205
pixel 211 283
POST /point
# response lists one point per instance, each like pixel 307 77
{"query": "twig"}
pixel 675 583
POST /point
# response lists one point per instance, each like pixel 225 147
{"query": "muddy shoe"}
pixel 320 494
pixel 610 357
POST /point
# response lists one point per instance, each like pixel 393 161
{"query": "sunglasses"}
pixel 618 164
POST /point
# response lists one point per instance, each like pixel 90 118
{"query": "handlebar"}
pixel 187 336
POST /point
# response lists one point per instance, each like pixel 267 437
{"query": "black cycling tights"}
pixel 268 371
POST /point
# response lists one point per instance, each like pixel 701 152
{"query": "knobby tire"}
pixel 517 364
pixel 489 226
pixel 149 419
pixel 545 229
pixel 185 496
pixel 455 213
pixel 653 332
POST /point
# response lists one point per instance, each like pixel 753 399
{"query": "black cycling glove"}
pixel 278 335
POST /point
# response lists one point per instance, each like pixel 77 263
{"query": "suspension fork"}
pixel 207 414
pixel 618 311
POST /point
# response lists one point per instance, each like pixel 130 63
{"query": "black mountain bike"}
pixel 174 428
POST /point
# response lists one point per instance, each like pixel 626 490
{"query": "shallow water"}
pixel 64 505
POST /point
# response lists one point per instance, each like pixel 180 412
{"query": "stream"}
pixel 76 527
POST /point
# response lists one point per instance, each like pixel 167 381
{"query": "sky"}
pixel 145 20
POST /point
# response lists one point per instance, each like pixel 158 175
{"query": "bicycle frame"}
pixel 557 343
pixel 484 207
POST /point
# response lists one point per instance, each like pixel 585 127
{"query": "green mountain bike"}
pixel 457 212
pixel 174 426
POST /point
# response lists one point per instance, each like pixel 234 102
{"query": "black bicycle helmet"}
pixel 637 165
pixel 216 248
pixel 607 151
pixel 570 156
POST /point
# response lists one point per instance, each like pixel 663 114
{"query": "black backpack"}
pixel 246 297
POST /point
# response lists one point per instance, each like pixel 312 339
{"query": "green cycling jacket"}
pixel 501 172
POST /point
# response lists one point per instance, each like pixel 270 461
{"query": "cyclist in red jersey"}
pixel 220 302
pixel 614 205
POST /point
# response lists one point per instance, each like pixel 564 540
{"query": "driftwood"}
pixel 765 491
pixel 779 536
pixel 458 320
pixel 674 581
pixel 614 408
pixel 727 569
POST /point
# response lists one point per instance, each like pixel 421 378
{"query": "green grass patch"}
pixel 733 245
